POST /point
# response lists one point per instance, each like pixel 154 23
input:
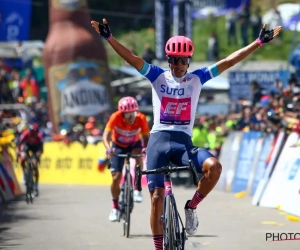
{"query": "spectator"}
pixel 231 18
pixel 213 47
pixel 29 87
pixel 148 55
pixel 257 92
pixel 14 85
pixel 244 24
pixel 256 23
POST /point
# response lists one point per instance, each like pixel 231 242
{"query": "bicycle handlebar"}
pixel 129 155
pixel 165 170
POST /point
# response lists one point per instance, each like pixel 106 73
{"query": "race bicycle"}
pixel 174 238
pixel 126 204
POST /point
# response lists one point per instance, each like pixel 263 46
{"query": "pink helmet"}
pixel 127 104
pixel 179 46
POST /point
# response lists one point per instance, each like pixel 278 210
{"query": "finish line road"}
pixel 76 218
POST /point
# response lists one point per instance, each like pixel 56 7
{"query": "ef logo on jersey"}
pixel 175 111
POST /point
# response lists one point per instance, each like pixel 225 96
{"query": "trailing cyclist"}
pixel 175 95
pixel 31 140
pixel 123 133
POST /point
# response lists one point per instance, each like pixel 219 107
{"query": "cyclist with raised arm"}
pixel 122 134
pixel 175 95
pixel 31 140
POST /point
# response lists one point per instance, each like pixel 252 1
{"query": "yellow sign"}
pixel 73 164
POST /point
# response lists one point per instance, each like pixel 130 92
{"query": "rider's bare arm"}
pixel 145 140
pixel 103 30
pixel 236 57
pixel 106 139
pixel 126 54
pixel 241 54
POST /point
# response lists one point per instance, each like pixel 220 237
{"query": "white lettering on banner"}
pixel 84 98
pixel 13 32
pixel 14 21
pixel 245 77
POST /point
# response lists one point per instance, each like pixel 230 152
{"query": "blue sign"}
pixel 245 161
pixel 236 3
pixel 262 162
pixel 15 20
pixel 240 81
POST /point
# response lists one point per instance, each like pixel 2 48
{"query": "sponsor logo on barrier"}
pixel 282 236
pixel 64 163
pixel 45 163
pixel 85 163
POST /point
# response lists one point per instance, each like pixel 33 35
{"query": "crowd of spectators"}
pixel 21 104
pixel 269 111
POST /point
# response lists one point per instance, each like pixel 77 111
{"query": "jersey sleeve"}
pixel 207 73
pixel 111 122
pixel 144 125
pixel 151 72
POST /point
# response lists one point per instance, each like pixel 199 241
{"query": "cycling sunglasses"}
pixel 177 60
pixel 129 114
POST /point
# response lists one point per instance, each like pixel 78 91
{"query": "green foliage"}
pixel 278 49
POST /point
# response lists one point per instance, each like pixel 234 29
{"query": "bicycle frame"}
pixel 169 192
pixel 127 203
pixel 166 171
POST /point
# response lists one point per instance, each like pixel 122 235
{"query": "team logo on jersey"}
pixel 188 78
pixel 175 111
pixel 171 91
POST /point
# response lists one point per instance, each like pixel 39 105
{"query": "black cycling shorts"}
pixel 117 163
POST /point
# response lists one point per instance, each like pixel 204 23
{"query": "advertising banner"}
pixel 225 159
pixel 262 162
pixel 6 183
pixel 73 164
pixel 235 149
pixel 240 82
pixel 77 72
pixel 15 20
pixel 245 161
pixel 275 151
pixel 291 185
pixel 162 27
pixel 256 157
pixel 274 192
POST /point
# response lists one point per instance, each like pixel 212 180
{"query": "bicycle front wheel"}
pixel 129 204
pixel 29 183
pixel 170 221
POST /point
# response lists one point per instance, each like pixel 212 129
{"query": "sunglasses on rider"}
pixel 177 60
pixel 130 114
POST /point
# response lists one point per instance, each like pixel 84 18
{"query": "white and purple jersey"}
pixel 175 99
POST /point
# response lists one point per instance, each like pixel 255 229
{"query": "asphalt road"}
pixel 76 218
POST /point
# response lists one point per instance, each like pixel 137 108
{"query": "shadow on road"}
pixel 189 236
pixel 10 213
pixel 202 236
